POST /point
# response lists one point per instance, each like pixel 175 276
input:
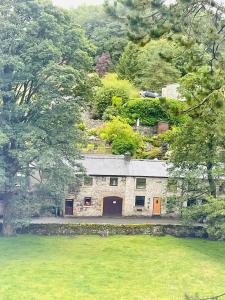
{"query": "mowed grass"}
pixel 117 267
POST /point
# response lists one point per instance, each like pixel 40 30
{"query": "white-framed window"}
pixel 141 183
pixel 140 201
pixel 113 181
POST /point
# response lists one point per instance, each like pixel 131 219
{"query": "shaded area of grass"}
pixel 118 267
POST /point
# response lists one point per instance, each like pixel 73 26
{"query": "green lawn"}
pixel 118 267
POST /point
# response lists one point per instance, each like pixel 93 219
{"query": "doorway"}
pixel 156 206
pixel 69 207
pixel 112 206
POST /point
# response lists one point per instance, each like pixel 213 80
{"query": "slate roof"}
pixel 116 165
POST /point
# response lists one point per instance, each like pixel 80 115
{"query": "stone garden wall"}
pixel 109 229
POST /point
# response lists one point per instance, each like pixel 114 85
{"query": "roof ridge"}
pixel 122 157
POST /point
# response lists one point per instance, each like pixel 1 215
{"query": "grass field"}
pixel 118 267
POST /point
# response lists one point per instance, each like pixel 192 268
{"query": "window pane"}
pixel 141 183
pixel 87 201
pixel 88 181
pixel 139 200
pixel 113 181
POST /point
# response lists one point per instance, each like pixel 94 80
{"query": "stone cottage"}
pixel 120 186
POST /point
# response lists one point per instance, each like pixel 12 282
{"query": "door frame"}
pixel 116 197
pixel 153 209
pixel 69 200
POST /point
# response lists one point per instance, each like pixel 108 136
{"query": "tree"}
pixel 106 34
pixel 153 70
pixel 205 121
pixel 147 67
pixel 44 58
pixel 178 21
pixel 102 64
pixel 128 64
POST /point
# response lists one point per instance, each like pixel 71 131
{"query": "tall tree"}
pixel 128 63
pixel 44 59
pixel 178 21
pixel 106 34
pixel 147 66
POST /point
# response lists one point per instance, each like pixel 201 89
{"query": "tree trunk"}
pixel 8 227
pixel 211 180
pixel 210 165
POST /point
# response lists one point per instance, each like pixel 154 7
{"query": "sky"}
pixel 75 3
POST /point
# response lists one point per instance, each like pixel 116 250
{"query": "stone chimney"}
pixel 127 156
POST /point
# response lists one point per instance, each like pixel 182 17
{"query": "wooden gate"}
pixel 112 206
pixel 156 206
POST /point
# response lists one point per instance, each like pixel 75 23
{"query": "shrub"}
pixel 104 98
pixel 151 111
pixel 114 92
pixel 121 146
pixel 154 153
pixel 112 80
pixel 122 136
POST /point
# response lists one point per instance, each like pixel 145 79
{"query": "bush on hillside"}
pixel 154 153
pixel 112 80
pixel 151 111
pixel 122 136
pixel 121 146
pixel 113 93
pixel 104 98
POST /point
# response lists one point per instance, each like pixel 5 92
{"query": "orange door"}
pixel 156 206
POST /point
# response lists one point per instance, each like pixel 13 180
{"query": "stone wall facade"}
pixel 126 189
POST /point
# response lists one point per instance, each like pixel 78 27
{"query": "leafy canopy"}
pixel 44 59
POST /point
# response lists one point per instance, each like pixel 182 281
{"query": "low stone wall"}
pixel 109 229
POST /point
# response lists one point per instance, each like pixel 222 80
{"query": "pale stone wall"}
pixel 155 187
pixel 101 188
pixel 126 189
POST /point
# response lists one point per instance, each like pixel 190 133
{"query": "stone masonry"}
pixel 126 189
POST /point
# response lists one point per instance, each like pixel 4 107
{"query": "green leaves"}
pixel 122 137
pixel 44 60
pixel 149 67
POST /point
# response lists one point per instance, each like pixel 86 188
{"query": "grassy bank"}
pixel 118 267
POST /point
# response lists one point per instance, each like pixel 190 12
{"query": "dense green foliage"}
pixel 111 94
pixel 212 212
pixel 122 137
pixel 168 268
pixel 151 111
pixel 146 66
pixel 44 60
pixel 106 34
pixel 106 96
pixel 128 64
